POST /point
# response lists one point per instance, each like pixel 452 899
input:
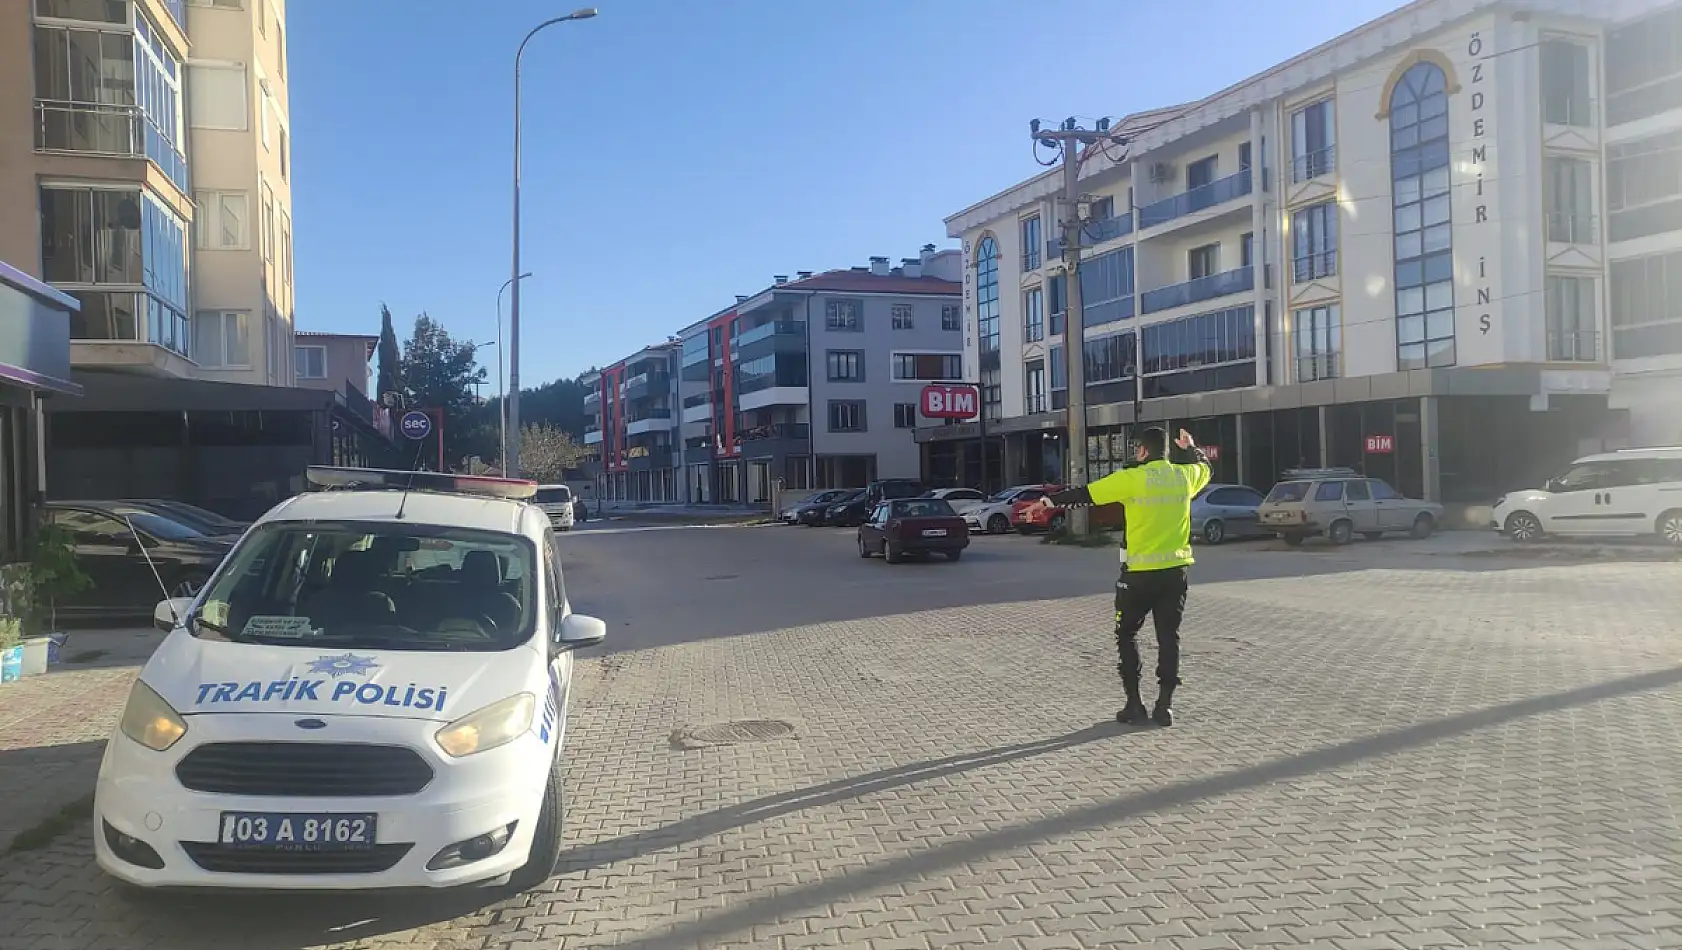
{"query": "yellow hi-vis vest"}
pixel 1157 497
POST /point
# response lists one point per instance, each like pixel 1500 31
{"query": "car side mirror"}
pixel 1551 485
pixel 577 631
pixel 171 613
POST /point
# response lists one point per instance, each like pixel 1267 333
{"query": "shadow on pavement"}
pixel 33 784
pixel 943 858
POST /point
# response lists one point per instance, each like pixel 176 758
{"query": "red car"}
pixel 1038 518
pixel 913 527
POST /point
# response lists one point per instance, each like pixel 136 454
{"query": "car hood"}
pixel 198 677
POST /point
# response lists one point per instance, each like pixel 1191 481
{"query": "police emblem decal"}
pixel 345 664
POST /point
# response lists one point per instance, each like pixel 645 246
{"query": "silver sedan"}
pixel 1223 512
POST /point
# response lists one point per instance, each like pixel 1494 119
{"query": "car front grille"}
pixel 223 859
pixel 304 769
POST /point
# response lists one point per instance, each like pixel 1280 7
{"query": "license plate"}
pixel 934 533
pixel 1278 516
pixel 297 832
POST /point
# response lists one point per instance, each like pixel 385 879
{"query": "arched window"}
pixel 987 324
pixel 1419 169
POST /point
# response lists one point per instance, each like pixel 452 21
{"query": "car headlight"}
pixel 495 725
pixel 150 721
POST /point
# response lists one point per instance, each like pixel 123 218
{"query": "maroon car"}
pixel 913 527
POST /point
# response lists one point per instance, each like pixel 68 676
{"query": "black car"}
pixel 134 556
pixel 203 520
pixel 810 509
pixel 849 512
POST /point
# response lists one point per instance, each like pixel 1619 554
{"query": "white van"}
pixel 1628 493
pixel 558 502
pixel 370 692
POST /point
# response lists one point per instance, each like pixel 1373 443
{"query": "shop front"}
pixel 34 367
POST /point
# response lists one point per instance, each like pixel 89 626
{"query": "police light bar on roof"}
pixel 380 479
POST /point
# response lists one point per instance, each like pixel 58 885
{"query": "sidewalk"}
pixel 1488 544
pixel 53 726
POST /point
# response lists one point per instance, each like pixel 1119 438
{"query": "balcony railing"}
pixel 1314 164
pixel 1661 95
pixel 1314 266
pixel 98 128
pixel 1573 346
pixel 129 317
pixel 1033 332
pixel 1573 111
pixel 594 395
pixel 1314 366
pixel 648 414
pixel 776 430
pixel 766 331
pixel 1217 192
pixel 695 357
pixel 1202 288
pixel 697 400
pixel 1034 403
pixel 1571 227
pixel 178 11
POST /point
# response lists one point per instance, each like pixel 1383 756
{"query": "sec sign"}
pixel 944 401
pixel 415 424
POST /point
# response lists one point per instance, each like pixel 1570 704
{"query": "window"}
pixel 311 360
pixel 843 315
pixel 1644 67
pixel 1643 185
pixel 1382 491
pixel 1247 249
pixel 216 97
pixel 987 294
pixel 1314 242
pixel 1243 155
pixel 1329 491
pixel 222 339
pixel 1033 387
pixel 1573 331
pixel 905 415
pixel 285 171
pixel 1109 358
pixel 223 220
pixel 845 366
pixel 1059 368
pixel 1419 169
pixel 1032 243
pixel 1106 286
pixel 267 224
pixel 1318 334
pixel 1569 184
pixel 286 254
pixel 1645 321
pixel 1357 491
pixel 1101 209
pixel 265 115
pixel 91 236
pixel 1204 261
pixel 1565 83
pixel 93 530
pixel 928 367
pixel 904 316
pixel 1208 339
pixel 951 317
pixel 262 17
pixel 1201 172
pixel 1033 315
pixel 1313 141
pixel 1057 302
pixel 846 415
pixel 1235 497
pixel 280 50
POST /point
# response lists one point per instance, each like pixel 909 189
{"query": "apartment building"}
pixel 1385 253
pixel 812 382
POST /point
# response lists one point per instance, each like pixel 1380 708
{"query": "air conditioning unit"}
pixel 1162 172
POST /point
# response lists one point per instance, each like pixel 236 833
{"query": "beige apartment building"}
pixel 145 172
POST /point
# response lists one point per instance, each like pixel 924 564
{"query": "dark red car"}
pixel 913 527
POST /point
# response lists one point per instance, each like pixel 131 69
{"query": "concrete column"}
pixel 1238 448
pixel 1325 437
pixel 1429 427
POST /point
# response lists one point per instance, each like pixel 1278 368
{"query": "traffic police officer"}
pixel 1156 496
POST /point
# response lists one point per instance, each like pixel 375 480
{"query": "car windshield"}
pixel 1006 495
pixel 553 496
pixel 1289 491
pixel 157 525
pixel 374 586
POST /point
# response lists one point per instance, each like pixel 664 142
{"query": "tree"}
pixel 439 373
pixel 391 361
pixel 546 453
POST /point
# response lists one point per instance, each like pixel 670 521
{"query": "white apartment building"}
pixel 1390 252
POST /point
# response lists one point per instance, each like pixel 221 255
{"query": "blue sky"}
pixel 679 152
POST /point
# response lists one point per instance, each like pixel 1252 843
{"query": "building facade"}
pixel 810 383
pixel 1386 253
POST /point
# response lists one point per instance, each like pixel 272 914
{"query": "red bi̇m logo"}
pixel 950 402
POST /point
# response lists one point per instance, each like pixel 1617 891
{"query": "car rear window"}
pixel 924 508
pixel 1288 491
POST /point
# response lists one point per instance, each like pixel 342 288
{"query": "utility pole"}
pixel 1070 138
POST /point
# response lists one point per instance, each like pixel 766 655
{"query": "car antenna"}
pixel 173 616
pixel 410 484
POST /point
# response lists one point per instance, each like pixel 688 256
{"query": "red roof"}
pixel 856 281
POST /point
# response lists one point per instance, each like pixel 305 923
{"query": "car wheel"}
pixel 1213 532
pixel 1423 526
pixel 546 838
pixel 998 524
pixel 1292 540
pixel 1523 526
pixel 1670 528
pixel 954 555
pixel 1057 522
pixel 188 586
pixel 863 551
pixel 1342 532
pixel 892 554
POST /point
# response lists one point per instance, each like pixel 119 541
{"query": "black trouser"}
pixel 1160 595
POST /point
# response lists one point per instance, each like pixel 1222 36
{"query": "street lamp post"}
pixel 511 459
pixel 501 391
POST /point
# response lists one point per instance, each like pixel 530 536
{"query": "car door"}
pixel 1326 505
pixel 1659 484
pixel 560 662
pixel 1236 507
pixel 1575 502
pixel 109 554
pixel 1394 511
pixel 1357 498
pixel 874 530
pixel 1624 500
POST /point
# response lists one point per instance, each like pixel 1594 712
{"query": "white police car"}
pixel 371 691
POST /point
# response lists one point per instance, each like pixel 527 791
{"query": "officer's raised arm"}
pixel 1186 453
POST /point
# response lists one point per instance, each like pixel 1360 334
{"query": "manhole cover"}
pixel 732 733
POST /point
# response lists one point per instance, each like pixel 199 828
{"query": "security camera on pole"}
pixel 1069 138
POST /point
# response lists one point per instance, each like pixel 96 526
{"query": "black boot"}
pixel 1134 712
pixel 1164 711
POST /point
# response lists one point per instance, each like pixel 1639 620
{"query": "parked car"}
pixel 816 515
pixel 1224 512
pixel 849 511
pixel 821 500
pixel 1340 503
pixel 961 499
pixel 1033 518
pixel 998 514
pixel 1629 493
pixel 203 520
pixel 915 527
pixel 128 566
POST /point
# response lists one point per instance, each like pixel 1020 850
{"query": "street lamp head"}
pixel 584 13
pixel 525 275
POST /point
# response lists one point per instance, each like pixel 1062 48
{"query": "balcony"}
pixel 1095 232
pixel 592 435
pixel 1570 227
pixel 1573 346
pixel 781 438
pixel 161 335
pixel 592 398
pixel 697 408
pixel 116 131
pixel 647 384
pixel 1224 284
pixel 777 336
pixel 1314 164
pixel 654 420
pixel 642 458
pixel 1314 266
pixel 1216 193
pixel 1034 404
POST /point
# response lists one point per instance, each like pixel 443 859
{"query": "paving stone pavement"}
pixel 1376 750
